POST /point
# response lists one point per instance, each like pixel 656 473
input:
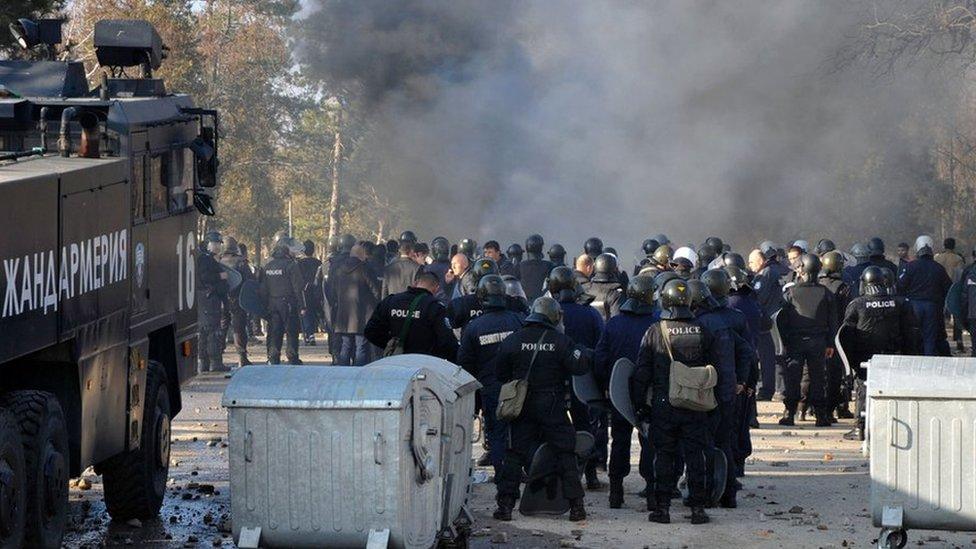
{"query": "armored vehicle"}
pixel 100 191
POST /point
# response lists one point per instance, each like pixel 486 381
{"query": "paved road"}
pixel 805 487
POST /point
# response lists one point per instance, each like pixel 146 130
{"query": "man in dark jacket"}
pixel 235 318
pixel 282 291
pixel 428 332
pixel 807 323
pixel 547 359
pixel 584 270
pixel 678 337
pixel 605 287
pixel 767 285
pixel 211 299
pixel 325 280
pixel 883 324
pixel 399 274
pixel 838 390
pixel 621 338
pixel 477 352
pixel 533 270
pixel 440 253
pixel 925 283
pixel 309 265
pixel 852 273
pixel 356 296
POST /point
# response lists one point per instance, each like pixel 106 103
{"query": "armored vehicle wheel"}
pixel 44 436
pixel 135 481
pixel 12 479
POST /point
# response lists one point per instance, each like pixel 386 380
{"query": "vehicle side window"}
pixel 178 182
pixel 139 189
pixel 159 172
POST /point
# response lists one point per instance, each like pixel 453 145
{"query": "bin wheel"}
pixel 893 539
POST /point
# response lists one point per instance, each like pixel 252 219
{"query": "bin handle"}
pixel 248 447
pixel 378 448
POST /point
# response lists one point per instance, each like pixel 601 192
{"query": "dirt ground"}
pixel 804 487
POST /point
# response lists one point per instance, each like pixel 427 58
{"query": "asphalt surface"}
pixel 804 487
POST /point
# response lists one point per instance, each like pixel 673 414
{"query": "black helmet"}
pixel 715 243
pixel 515 252
pixel 876 247
pixel 440 249
pixel 701 297
pixel 676 300
pixel 534 244
pixel 825 245
pixel 732 258
pixel 562 284
pixel 707 253
pixel 408 236
pixel 738 276
pixel 545 310
pixel 664 277
pixel 768 250
pixel 213 236
pixel 719 284
pixel 833 262
pixel 860 251
pixel 557 254
pixel 346 242
pixel 513 287
pixel 593 247
pixel 605 268
pixel 610 250
pixel 492 291
pixel 649 246
pixel 810 265
pixel 640 295
pixel 662 239
pixel 662 255
pixel 483 267
pixel 873 281
pixel 889 279
pixel 467 247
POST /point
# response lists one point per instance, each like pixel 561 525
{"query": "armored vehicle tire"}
pixel 44 437
pixel 135 481
pixel 13 474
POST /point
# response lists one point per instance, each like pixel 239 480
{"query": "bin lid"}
pixel 922 377
pixel 321 387
pixel 461 382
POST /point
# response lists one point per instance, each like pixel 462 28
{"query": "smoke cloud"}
pixel 625 119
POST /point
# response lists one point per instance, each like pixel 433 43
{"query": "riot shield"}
pixel 588 391
pixel 777 338
pixel 623 370
pixel 250 300
pixel 543 493
pixel 953 302
pixel 844 341
pixel 234 278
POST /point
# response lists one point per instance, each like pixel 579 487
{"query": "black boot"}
pixel 660 514
pixel 592 482
pixel 728 500
pixel 844 412
pixel 616 493
pixel 788 418
pixel 823 418
pixel 803 411
pixel 504 510
pixel 243 361
pixel 576 510
pixel 698 515
pixel 484 460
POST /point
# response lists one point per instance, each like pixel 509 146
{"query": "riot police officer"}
pixel 583 324
pixel 427 333
pixel 876 255
pixel 235 318
pixel 838 395
pixel 621 338
pixel 852 273
pixel 593 247
pixel 659 262
pixel 440 250
pixel 557 255
pixel 468 247
pixel 515 253
pixel 309 265
pixel 212 296
pixel 678 337
pixel 605 287
pixel 882 324
pixel 547 360
pixel 533 270
pixel 807 323
pixel 648 247
pixel 477 352
pixel 767 285
pixel 281 290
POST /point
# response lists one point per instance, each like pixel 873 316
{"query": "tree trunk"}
pixel 379 232
pixel 334 201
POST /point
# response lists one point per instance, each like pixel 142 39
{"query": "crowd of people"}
pixel 709 330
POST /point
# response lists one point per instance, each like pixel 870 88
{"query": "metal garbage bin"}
pixel 922 418
pixel 340 456
pixel 456 461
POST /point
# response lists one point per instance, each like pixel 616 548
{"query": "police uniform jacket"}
pixel 691 343
pixel 810 310
pixel 884 324
pixel 924 280
pixel 429 333
pixel 481 340
pixel 558 358
pixel 533 273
